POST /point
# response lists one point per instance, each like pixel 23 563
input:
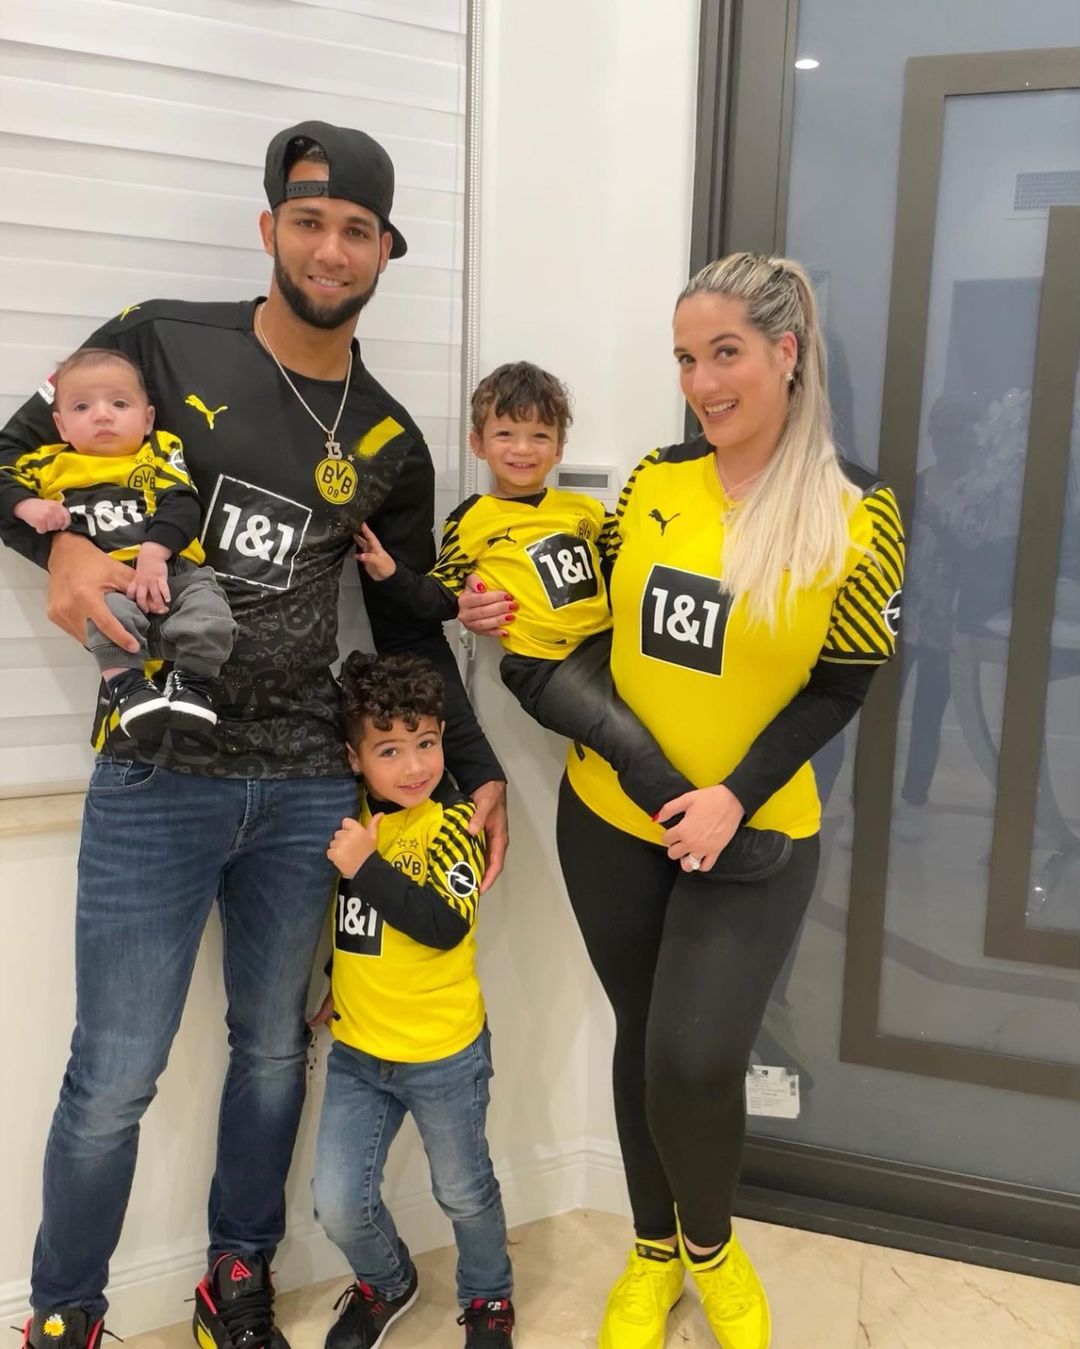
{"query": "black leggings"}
pixel 687 968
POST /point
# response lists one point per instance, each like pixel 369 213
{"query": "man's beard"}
pixel 307 311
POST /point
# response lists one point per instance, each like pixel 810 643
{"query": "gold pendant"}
pixel 336 480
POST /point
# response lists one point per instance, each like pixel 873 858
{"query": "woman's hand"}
pixel 376 561
pixel 710 816
pixel 353 844
pixel 485 612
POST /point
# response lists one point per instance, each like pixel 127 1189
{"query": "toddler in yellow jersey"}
pixel 406 1013
pixel 123 485
pixel 551 549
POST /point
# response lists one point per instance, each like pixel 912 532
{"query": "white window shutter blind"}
pixel 132 135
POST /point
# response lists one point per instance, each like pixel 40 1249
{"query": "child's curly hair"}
pixel 385 689
pixel 521 390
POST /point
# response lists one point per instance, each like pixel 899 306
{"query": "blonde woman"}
pixel 756 589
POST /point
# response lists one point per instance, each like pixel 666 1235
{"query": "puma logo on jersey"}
pixel 501 538
pixel 194 401
pixel 654 514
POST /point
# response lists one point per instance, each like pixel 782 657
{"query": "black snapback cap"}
pixel 360 171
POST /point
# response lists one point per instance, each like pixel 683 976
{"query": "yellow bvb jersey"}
pixel 545 551
pixel 112 498
pixel 394 997
pixel 703 679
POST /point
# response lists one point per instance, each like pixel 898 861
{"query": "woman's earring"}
pixel 790 376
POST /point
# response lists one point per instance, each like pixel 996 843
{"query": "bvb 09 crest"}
pixel 335 478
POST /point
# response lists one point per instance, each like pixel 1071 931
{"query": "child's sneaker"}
pixel 234 1305
pixel 489 1323
pixel 190 708
pixel 752 855
pixel 62 1328
pixel 143 708
pixel 367 1315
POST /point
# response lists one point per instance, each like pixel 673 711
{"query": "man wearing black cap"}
pixel 291 444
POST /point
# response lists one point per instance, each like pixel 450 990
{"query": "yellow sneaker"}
pixel 637 1307
pixel 733 1299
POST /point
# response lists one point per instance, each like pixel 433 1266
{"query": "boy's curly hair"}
pixel 385 689
pixel 521 390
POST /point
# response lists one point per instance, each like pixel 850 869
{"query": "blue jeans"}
pixel 365 1103
pixel 157 848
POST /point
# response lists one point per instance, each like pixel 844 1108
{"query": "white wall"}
pixel 585 211
pixel 585 227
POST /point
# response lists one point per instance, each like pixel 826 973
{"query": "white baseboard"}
pixel 144 1295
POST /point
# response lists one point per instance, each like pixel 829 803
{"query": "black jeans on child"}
pixel 576 698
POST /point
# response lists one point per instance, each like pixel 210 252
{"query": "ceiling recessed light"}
pixel 806 63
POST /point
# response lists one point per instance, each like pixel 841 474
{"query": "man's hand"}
pixel 44 516
pixel 323 1015
pixel 485 612
pixel 376 561
pixel 710 817
pixel 490 801
pixel 353 844
pixel 149 587
pixel 80 574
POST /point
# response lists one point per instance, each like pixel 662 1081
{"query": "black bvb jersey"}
pixel 279 513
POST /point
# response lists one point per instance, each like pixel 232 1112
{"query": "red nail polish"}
pixel 481 588
pixel 509 618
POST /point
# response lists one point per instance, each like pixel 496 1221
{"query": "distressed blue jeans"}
pixel 365 1103
pixel 158 848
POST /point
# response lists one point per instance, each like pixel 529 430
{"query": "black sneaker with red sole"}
pixel 366 1315
pixel 234 1305
pixel 489 1323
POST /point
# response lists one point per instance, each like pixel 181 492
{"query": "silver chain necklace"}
pixel 333 445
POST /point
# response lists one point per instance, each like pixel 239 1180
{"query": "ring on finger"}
pixel 693 863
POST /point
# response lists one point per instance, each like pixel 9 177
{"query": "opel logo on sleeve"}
pixel 891 612
pixel 461 879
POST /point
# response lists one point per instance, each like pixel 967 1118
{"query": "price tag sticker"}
pixel 772 1091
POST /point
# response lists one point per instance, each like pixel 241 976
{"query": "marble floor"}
pixel 826 1293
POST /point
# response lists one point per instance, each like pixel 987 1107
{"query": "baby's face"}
pixel 100 409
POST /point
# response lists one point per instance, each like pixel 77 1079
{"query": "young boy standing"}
pixel 549 550
pixel 408 1015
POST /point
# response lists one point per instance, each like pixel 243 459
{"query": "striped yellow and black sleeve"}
pixel 609 540
pixel 169 468
pixel 456 860
pixel 865 620
pixel 26 476
pixel 453 564
pixel 624 496
pixel 177 514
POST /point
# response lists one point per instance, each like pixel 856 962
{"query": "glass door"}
pixel 923 161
